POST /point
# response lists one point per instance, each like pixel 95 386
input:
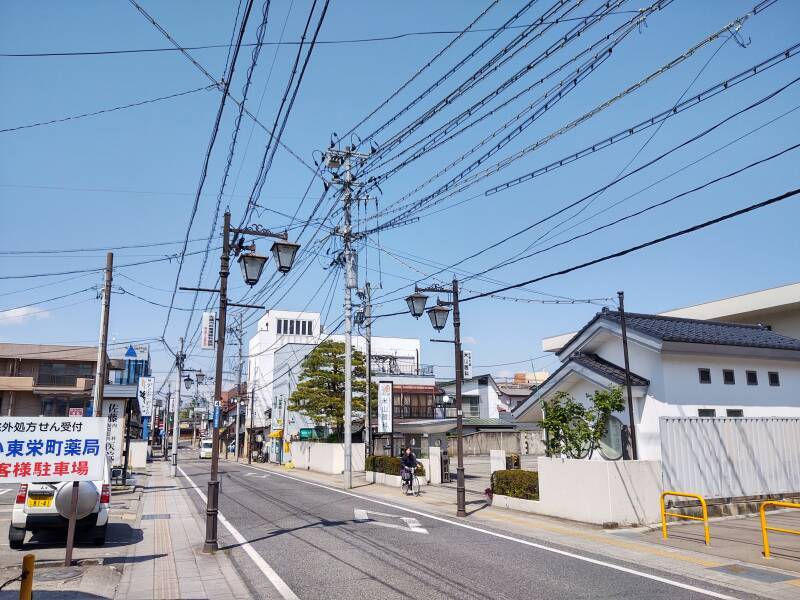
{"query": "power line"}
pixel 75 293
pixel 636 248
pixel 99 249
pixel 108 110
pixel 383 38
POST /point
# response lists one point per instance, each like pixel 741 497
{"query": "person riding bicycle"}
pixel 410 462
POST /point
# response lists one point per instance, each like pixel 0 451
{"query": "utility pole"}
pixel 366 296
pixel 179 359
pixel 336 159
pixel 631 417
pixel 100 373
pixel 165 437
pixel 250 432
pixel 238 331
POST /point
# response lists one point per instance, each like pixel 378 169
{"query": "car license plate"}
pixel 40 501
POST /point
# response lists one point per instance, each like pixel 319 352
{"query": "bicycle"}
pixel 410 482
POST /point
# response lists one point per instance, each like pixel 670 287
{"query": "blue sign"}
pixel 216 417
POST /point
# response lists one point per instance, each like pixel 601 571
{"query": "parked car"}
pixel 46 506
pixel 206 446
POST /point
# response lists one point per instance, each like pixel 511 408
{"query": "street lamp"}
pixel 252 266
pixel 438 315
pixel 416 304
pixel 201 377
pixel 187 382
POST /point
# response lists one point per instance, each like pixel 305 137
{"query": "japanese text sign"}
pixel 146 393
pixel 50 449
pixel 385 403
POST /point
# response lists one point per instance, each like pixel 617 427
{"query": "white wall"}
pixel 623 492
pixel 325 458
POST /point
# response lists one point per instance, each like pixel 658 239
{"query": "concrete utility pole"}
pixel 238 331
pixel 631 416
pixel 179 358
pixel 336 159
pixel 165 437
pixel 100 372
pixel 367 297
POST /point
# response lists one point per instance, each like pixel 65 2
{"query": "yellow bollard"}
pixel 665 514
pixel 26 584
pixel 765 529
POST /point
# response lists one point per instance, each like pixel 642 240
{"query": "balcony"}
pixel 64 381
pixel 393 367
pixel 424 412
pixel 16 383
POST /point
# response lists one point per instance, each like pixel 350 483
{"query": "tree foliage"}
pixel 320 393
pixel 574 429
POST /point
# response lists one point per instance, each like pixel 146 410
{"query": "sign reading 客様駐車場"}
pixel 50 449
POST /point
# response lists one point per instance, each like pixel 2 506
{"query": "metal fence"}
pixel 731 457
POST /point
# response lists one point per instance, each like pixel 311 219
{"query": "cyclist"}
pixel 409 461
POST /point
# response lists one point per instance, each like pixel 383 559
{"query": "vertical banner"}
pixel 385 403
pixel 50 449
pixel 466 362
pixel 145 395
pixel 114 411
pixel 208 338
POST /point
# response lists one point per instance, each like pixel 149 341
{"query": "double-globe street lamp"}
pixel 438 316
pixel 252 264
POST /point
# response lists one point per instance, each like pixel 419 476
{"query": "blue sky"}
pixel 128 177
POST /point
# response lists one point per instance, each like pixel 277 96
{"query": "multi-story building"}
pixel 45 380
pixel 276 353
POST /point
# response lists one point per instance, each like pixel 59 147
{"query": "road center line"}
pixel 503 536
pixel 280 585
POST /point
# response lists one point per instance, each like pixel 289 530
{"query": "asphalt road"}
pixel 321 544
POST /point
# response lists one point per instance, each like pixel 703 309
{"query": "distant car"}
pixel 42 506
pixel 206 447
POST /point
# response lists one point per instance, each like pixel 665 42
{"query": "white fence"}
pixel 324 458
pixel 730 457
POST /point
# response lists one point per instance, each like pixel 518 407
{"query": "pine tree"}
pixel 320 393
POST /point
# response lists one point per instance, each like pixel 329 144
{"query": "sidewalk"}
pixel 168 562
pixel 638 547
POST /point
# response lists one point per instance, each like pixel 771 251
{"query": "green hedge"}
pixel 516 483
pixel 389 465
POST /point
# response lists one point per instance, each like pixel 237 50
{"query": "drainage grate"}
pixel 154 517
pixel 762 575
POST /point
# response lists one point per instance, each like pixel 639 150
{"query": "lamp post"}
pixel 438 316
pixel 252 265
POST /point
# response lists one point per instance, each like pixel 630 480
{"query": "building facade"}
pixel 679 368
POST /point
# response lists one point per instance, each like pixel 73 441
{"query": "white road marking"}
pixel 4 491
pixel 503 536
pixel 256 475
pixel 280 585
pixel 411 524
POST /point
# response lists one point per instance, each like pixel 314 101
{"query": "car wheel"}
pixel 99 535
pixel 16 537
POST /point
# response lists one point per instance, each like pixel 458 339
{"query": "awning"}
pixel 276 434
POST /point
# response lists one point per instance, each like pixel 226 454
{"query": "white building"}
pixel 680 368
pixel 282 341
pixel 480 396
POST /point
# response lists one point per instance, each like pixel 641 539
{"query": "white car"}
pixel 206 448
pixel 41 506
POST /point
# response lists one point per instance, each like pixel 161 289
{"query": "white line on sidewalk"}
pixel 503 536
pixel 268 571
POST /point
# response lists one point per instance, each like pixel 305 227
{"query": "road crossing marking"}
pixel 256 475
pixel 503 536
pixel 280 585
pixel 411 524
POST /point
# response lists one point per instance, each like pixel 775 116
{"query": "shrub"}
pixel 369 463
pixel 390 465
pixel 516 484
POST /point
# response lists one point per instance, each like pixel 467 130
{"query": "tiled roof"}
pixel 607 369
pixel 694 331
pixel 48 352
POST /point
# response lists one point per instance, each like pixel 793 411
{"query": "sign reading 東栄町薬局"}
pixel 50 449
pixel 385 403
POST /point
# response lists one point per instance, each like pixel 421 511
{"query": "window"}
pixel 752 377
pixel 303 327
pixel 291 327
pixel 774 378
pixel 297 327
pixel 706 412
pixel 728 377
pixel 471 406
pixel 737 413
pixel 311 328
pixel 279 327
pixel 705 375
